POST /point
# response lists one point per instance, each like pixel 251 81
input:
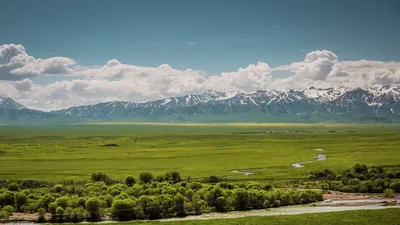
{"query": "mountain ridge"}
pixel 378 103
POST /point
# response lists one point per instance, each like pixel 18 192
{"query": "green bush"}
pixel 63 201
pixel 78 215
pixel 4 215
pixel 389 193
pixel 58 188
pixel 9 209
pixel 41 212
pixel 60 214
pixel 13 187
pixel 7 198
pixel 241 199
pixel 21 199
pixel 146 177
pixel 93 207
pixel 130 181
pixel 123 210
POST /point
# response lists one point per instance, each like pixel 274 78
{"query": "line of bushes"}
pixel 148 197
pixel 360 178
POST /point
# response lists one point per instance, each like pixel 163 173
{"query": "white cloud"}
pixel 190 42
pixel 123 82
pixel 16 64
pixel 325 66
pixel 254 77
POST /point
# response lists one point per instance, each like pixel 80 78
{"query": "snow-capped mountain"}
pixel 13 112
pixel 341 103
pixel 8 103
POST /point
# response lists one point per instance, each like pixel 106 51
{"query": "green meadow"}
pixel 371 217
pixel 73 152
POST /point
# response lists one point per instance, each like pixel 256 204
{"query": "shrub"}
pixel 99 176
pixel 67 214
pixel 13 187
pixel 60 214
pixel 241 200
pixel 7 198
pixel 93 207
pixel 78 215
pixel 21 199
pixel 63 201
pixel 41 212
pixel 179 201
pixel 8 208
pixel 4 215
pixel 160 178
pixel 146 177
pixel 130 181
pixel 176 177
pixel 389 193
pixel 52 209
pixel 123 210
pixel 46 200
pixel 58 188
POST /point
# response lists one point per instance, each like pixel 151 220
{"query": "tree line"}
pixel 148 197
pixel 360 178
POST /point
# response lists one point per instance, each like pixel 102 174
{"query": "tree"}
pixel 130 181
pixel 93 207
pixel 146 177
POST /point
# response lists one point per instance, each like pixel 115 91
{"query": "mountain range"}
pixel 340 104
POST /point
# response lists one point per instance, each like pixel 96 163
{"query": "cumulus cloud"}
pixel 16 64
pixel 324 66
pixel 254 77
pixel 316 66
pixel 124 82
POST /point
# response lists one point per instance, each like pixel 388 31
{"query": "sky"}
pixel 57 54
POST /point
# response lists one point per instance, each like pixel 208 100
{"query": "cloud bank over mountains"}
pixel 125 82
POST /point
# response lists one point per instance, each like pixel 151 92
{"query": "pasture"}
pixel 73 152
pixel 372 217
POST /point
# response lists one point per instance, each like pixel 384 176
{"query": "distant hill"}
pixel 341 104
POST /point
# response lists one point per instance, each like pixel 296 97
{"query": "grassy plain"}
pixel 370 217
pixel 66 152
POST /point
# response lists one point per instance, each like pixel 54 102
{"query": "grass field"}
pixel 370 217
pixel 196 150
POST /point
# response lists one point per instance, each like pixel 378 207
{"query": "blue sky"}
pixel 209 35
pixel 57 54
